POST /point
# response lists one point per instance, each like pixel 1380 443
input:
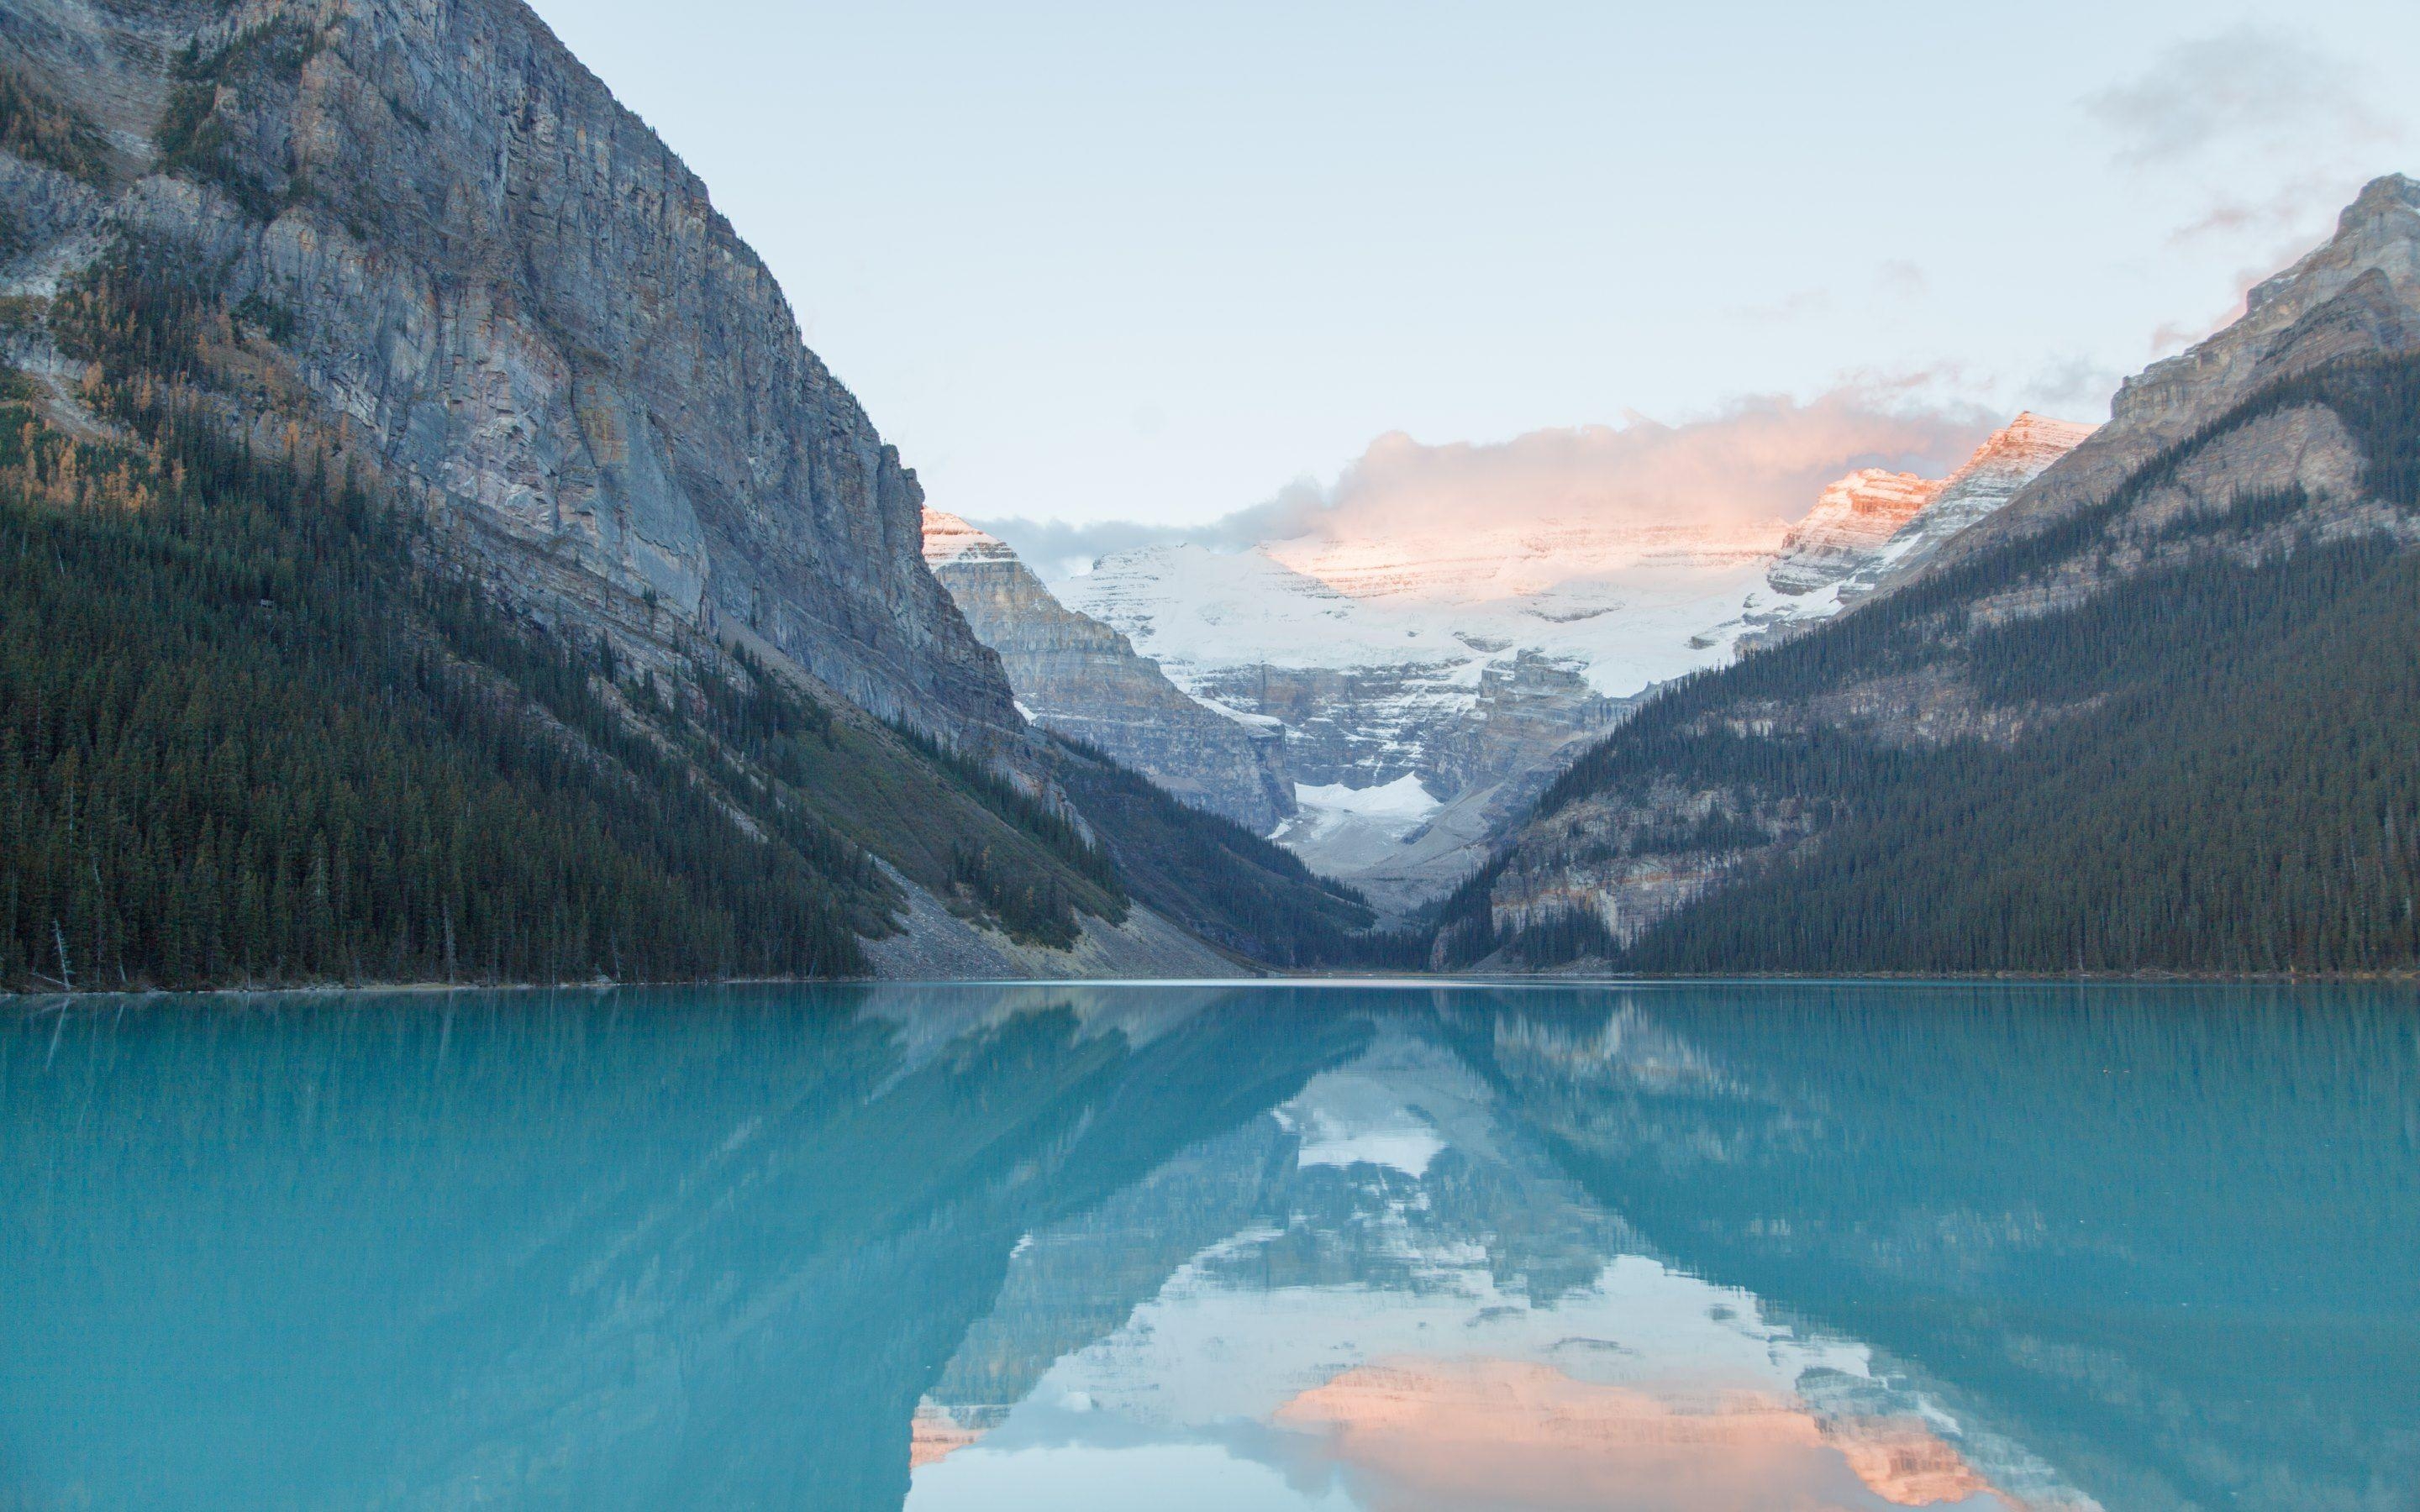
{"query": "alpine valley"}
pixel 1430 683
pixel 428 551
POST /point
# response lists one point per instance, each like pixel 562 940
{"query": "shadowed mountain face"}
pixel 391 416
pixel 1280 1246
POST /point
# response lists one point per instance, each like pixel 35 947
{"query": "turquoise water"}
pixel 1176 1247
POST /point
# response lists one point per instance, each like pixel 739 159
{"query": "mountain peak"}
pixel 2354 294
pixel 2029 425
pixel 2029 443
pixel 2380 229
pixel 2382 198
pixel 1852 516
pixel 949 538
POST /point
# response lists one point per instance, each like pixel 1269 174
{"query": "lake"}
pixel 1294 1247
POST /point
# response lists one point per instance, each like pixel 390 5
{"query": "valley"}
pixel 438 557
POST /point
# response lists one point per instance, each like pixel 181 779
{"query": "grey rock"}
pixel 2356 294
pixel 1080 677
pixel 1638 849
pixel 508 287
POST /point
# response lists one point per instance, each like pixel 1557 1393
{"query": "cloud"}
pixel 2071 387
pixel 1757 460
pixel 1796 305
pixel 1901 279
pixel 2248 89
pixel 1058 548
pixel 2260 134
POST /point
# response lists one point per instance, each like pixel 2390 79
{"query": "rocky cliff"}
pixel 394 290
pixel 1874 527
pixel 2085 728
pixel 455 250
pixel 2357 295
pixel 1848 526
pixel 1075 676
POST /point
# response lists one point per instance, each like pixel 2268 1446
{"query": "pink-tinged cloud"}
pixel 1434 1434
pixel 1761 460
pixel 1758 460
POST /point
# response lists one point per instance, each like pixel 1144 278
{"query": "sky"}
pixel 1105 272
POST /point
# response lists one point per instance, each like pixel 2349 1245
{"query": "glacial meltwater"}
pixel 1394 1247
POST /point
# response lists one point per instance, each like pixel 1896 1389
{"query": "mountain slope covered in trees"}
pixel 2170 729
pixel 259 730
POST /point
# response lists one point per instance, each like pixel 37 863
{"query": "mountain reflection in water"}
pixel 1283 1246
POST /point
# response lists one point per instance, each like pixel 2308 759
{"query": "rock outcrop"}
pixel 2357 295
pixel 1073 674
pixel 1874 527
pixel 1851 521
pixel 463 255
pixel 2277 437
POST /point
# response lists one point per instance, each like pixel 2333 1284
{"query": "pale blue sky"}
pixel 1149 262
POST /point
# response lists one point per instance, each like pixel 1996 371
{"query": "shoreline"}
pixel 13 998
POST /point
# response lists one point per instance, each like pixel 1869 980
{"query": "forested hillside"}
pixel 1221 881
pixel 258 726
pixel 2174 731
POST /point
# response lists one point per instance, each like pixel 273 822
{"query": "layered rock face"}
pixel 466 257
pixel 1874 527
pixel 2357 295
pixel 2195 465
pixel 1849 524
pixel 1076 675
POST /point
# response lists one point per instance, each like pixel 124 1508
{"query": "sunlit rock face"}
pixel 1849 523
pixel 1476 661
pixel 1080 677
pixel 1873 528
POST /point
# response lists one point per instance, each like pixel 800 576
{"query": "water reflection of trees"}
pixel 713 1248
pixel 707 1250
pixel 2163 1236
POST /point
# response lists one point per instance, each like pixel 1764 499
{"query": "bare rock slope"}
pixel 470 258
pixel 1073 674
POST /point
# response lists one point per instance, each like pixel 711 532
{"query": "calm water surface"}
pixel 1206 1247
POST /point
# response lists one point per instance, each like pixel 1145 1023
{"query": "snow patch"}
pixel 1403 798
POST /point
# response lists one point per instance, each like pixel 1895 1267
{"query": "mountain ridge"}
pixel 2000 764
pixel 1079 677
pixel 394 298
pixel 1479 661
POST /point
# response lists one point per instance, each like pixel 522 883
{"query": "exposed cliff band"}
pixel 1077 676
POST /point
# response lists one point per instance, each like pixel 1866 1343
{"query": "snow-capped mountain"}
pixel 1837 543
pixel 1849 524
pixel 1455 669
